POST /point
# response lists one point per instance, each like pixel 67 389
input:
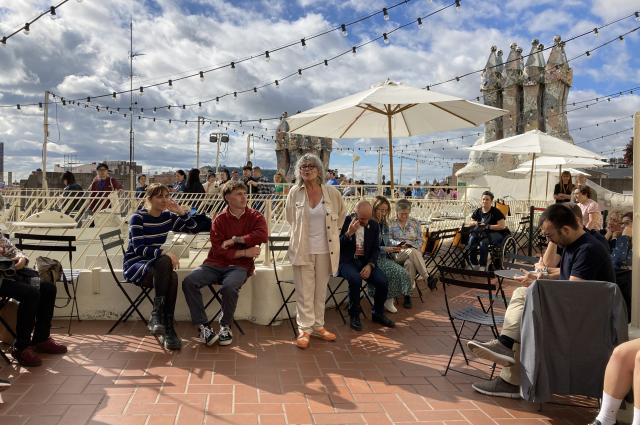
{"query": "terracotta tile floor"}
pixel 377 377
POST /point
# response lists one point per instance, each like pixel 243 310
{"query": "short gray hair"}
pixel 403 205
pixel 309 157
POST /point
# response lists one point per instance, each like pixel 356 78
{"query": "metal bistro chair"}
pixel 112 244
pixel 56 243
pixel 215 296
pixel 281 244
pixel 482 315
pixel 4 301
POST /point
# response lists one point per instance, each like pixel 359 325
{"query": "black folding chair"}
pixel 332 296
pixel 3 303
pixel 363 294
pixel 216 297
pixel 69 278
pixel 112 244
pixel 279 244
pixel 482 315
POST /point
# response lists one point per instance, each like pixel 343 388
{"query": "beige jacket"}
pixel 297 217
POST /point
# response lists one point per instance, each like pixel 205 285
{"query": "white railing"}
pixel 95 214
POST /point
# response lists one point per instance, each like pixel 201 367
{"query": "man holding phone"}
pixel 359 251
pixel 581 260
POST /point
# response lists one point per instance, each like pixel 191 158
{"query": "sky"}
pixel 84 52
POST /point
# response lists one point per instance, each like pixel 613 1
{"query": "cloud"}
pixel 85 52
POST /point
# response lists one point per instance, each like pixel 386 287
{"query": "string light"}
pixel 26 29
pixel 304 43
pixel 266 56
pixel 420 23
pixel 233 65
pixel 141 90
pixel 343 30
pixel 386 39
pixel 595 31
pixel 201 76
pixel 385 14
pixel 353 50
pixel 114 94
pixel 51 11
pixel 170 83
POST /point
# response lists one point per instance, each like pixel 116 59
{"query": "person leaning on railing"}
pixel 36 300
pixel 101 186
pixel 315 212
pixel 591 215
pixel 147 264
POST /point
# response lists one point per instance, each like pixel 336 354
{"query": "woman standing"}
pixel 146 264
pixel 591 216
pixel 563 190
pixel 399 281
pixel 315 211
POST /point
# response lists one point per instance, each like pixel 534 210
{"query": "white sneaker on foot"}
pixel 388 305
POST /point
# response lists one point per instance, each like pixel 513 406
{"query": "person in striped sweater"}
pixel 148 265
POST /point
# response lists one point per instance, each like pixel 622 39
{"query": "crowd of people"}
pixel 375 244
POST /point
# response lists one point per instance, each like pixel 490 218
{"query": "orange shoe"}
pixel 324 334
pixel 303 340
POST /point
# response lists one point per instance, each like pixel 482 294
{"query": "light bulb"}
pixel 299 72
pixel 385 38
pixel 385 14
pixel 343 29
pixel 26 29
pixel 353 50
pixel 596 32
pixel 201 77
pixel 52 13
pixel 420 23
pixel 141 90
pixel 304 43
pixel 266 56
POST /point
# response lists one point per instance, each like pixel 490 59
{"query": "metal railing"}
pixel 98 212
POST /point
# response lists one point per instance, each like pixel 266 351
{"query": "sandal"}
pixel 324 334
pixel 302 341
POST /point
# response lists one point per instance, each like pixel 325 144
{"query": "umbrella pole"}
pixel 533 164
pixel 390 152
pixel 546 192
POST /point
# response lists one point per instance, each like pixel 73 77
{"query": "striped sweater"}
pixel 146 236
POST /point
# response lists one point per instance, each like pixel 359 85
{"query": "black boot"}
pixel 171 340
pixel 407 302
pixel 155 325
pixel 354 312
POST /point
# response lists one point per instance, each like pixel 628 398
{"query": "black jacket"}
pixel 371 242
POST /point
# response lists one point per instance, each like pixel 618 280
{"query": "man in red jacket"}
pixel 236 235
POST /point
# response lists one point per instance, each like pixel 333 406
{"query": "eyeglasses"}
pixel 307 167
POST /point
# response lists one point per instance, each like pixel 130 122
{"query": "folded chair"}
pixel 465 313
pixel 56 243
pixel 112 244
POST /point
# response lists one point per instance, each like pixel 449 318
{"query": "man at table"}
pixel 36 300
pixel 581 260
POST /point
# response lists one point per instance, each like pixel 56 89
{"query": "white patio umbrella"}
pixel 558 161
pixel 548 170
pixel 391 109
pixel 536 143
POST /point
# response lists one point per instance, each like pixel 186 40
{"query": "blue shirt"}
pixel 587 259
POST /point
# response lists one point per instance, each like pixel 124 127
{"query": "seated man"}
pixel 359 251
pixel 33 326
pixel 581 260
pixel 236 235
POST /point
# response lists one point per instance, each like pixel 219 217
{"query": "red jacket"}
pixel 251 226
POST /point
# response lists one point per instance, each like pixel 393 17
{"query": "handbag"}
pixel 50 270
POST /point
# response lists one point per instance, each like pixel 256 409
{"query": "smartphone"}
pixel 193 211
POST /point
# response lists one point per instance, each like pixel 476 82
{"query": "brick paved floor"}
pixel 377 377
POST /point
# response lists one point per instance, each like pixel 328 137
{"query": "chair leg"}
pixel 285 306
pixel 133 307
pixel 332 296
pixel 5 357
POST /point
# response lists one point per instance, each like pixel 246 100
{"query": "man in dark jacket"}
pixel 359 251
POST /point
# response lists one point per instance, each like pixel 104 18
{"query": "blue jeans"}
pixel 481 242
pixel 351 272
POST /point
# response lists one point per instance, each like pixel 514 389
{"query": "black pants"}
pixel 351 272
pixel 37 301
pixel 164 281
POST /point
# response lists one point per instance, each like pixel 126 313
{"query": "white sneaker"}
pixel 388 305
pixel 207 336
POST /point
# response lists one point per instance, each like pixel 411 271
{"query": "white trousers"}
pixel 311 283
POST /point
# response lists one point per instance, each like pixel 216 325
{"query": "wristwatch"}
pixel 235 239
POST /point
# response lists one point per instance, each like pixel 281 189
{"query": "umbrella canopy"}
pixel 391 109
pixel 538 143
pixel 537 170
pixel 556 161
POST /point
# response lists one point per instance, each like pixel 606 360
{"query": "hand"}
pixel 392 249
pixel 173 206
pixel 527 277
pixel 174 260
pixel 365 272
pixel 252 252
pixel 353 228
pixel 21 262
pixel 226 244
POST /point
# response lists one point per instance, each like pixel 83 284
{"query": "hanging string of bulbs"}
pixel 26 28
pixel 201 74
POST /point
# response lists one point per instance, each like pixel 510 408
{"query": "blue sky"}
pixel 84 53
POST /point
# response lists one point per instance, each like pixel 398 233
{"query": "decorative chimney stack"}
pixel 558 79
pixel 512 93
pixel 492 83
pixel 532 105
